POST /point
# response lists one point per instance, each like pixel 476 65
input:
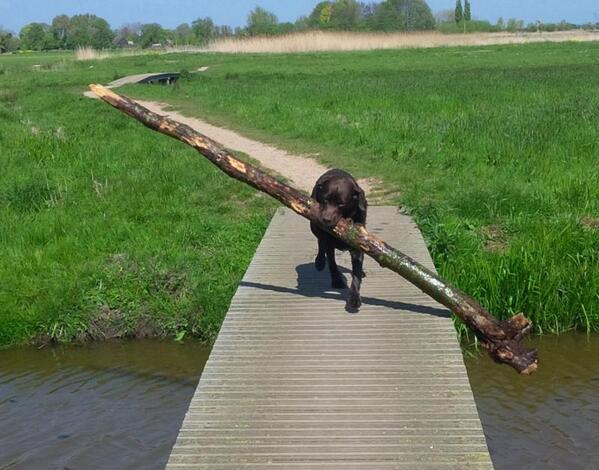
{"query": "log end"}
pixel 509 350
pixel 104 93
pixel 531 368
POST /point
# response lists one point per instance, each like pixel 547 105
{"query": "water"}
pixel 120 405
pixel 549 420
pixel 112 406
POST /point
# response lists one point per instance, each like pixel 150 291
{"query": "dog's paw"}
pixel 339 282
pixel 319 263
pixel 354 302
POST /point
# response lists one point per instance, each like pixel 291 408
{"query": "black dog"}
pixel 340 197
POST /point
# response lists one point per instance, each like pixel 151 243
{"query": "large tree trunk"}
pixel 502 339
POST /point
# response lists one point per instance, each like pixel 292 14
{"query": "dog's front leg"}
pixel 338 281
pixel 320 260
pixel 357 263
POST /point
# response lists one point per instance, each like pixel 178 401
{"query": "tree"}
pixel 262 22
pixel 467 11
pixel 402 15
pixel 302 23
pixel 8 41
pixel 501 23
pixel 459 12
pixel 225 31
pixel 204 30
pixel 321 15
pixel 152 33
pixel 285 28
pixel 514 25
pixel 60 29
pixel 240 32
pixel 89 30
pixel 345 14
pixel 184 34
pixel 37 37
pixel 368 14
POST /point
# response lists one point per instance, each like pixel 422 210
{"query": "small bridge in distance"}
pixel 295 382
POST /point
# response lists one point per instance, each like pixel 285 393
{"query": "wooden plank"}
pixel 294 381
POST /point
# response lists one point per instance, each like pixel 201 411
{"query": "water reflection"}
pixel 120 405
pixel 114 405
pixel 549 420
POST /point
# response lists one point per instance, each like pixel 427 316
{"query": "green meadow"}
pixel 108 229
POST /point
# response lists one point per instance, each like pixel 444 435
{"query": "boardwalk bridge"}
pixel 295 382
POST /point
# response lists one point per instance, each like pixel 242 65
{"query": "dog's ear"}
pixel 317 191
pixel 362 205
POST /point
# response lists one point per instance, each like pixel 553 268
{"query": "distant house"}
pixel 157 45
pixel 123 43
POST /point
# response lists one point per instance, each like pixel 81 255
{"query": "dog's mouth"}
pixel 330 223
pixel 330 215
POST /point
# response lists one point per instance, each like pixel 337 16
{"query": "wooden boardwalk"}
pixel 294 381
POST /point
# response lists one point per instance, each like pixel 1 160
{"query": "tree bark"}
pixel 502 339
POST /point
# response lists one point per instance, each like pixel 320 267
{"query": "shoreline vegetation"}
pixel 105 232
pixel 328 41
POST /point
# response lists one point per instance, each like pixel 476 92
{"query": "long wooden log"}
pixel 502 339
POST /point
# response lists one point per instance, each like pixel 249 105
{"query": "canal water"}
pixel 103 406
pixel 120 405
pixel 549 420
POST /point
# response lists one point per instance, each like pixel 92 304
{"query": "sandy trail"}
pixel 300 170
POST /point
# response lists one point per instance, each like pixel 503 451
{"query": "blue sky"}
pixel 14 14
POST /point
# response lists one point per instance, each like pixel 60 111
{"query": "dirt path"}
pixel 300 170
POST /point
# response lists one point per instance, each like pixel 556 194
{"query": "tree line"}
pixel 333 15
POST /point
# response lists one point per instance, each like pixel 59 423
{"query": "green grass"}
pixel 493 150
pixel 107 229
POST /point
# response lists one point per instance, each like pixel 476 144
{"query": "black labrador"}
pixel 340 197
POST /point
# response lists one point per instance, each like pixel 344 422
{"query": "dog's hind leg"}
pixel 320 260
pixel 357 262
pixel 338 281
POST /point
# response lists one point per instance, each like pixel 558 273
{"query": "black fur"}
pixel 340 197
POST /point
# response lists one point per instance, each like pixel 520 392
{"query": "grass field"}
pixel 495 151
pixel 107 229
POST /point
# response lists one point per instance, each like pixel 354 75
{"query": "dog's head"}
pixel 340 197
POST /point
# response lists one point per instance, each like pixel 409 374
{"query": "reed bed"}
pixel 89 53
pixel 314 41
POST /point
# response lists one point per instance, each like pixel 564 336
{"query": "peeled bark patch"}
pixel 502 339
